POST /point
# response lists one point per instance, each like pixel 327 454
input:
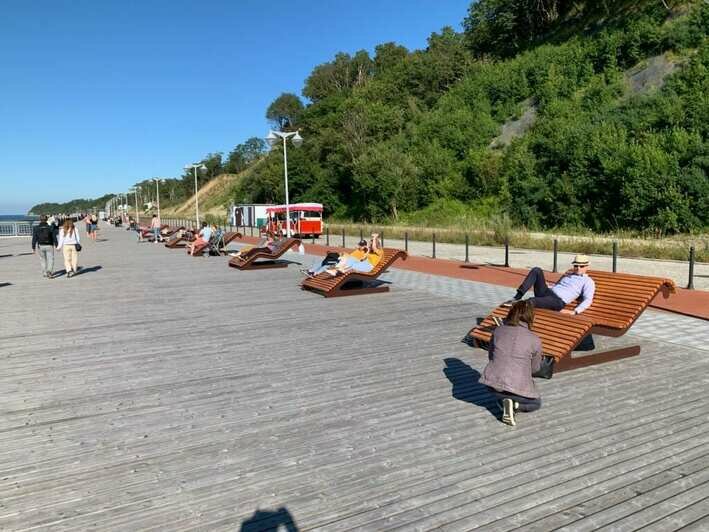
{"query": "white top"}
pixel 68 239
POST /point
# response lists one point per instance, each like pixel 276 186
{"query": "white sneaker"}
pixel 508 412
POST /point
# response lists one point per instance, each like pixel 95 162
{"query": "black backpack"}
pixel 45 235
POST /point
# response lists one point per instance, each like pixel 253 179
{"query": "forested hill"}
pixel 397 131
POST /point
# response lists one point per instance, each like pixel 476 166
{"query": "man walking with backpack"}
pixel 44 240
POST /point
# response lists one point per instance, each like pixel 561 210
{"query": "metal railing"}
pixel 15 229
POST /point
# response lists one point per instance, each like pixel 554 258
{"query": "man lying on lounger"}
pixel 370 255
pixel 573 285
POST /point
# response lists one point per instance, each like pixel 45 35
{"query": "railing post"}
pixel 343 237
pixel 381 238
pixel 406 241
pixel 313 238
pixel 361 235
pixel 556 257
pixel 433 241
pixel 251 230
pixel 690 284
pixel 327 236
pixel 467 245
pixel 507 252
pixel 615 257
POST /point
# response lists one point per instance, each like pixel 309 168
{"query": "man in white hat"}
pixel 573 285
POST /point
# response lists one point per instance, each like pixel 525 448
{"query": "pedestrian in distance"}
pixel 515 353
pixel 70 244
pixel 155 228
pixel 44 240
pixel 94 226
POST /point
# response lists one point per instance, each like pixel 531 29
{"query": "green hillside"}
pixel 612 144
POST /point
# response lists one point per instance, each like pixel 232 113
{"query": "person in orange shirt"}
pixel 363 262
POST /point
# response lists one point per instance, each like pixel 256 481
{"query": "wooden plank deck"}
pixel 159 392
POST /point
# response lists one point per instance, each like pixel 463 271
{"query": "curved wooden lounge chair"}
pixel 218 246
pixel 353 283
pixel 179 241
pixel 619 300
pixel 227 238
pixel 257 258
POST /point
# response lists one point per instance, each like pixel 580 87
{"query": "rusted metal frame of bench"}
pixel 329 286
pixel 250 261
pixel 639 284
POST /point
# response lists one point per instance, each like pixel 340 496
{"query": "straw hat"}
pixel 581 260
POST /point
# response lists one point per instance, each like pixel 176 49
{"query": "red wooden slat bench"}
pixel 619 300
pixel 258 258
pixel 353 283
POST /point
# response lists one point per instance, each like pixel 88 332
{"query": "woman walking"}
pixel 70 244
pixel 515 353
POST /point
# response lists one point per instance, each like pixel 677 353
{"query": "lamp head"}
pixel 271 138
pixel 202 169
pixel 297 139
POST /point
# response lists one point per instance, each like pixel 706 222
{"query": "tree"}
pixel 244 154
pixel 284 111
pixel 339 76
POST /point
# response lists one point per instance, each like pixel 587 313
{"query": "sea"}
pixel 17 218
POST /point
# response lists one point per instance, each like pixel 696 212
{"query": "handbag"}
pixel 77 246
pixel 546 369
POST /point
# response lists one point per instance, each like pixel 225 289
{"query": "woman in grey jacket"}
pixel 515 353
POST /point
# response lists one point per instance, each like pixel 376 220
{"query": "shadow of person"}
pixel 90 269
pixel 270 520
pixel 5 284
pixel 466 385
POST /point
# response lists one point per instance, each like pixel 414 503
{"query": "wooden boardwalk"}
pixel 156 391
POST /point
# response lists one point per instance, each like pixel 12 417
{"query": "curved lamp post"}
pixel 202 169
pixel 297 140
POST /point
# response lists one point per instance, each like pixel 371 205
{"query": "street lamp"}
pixel 297 140
pixel 157 194
pixel 135 190
pixel 202 169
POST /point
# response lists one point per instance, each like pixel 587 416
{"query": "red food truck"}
pixel 305 219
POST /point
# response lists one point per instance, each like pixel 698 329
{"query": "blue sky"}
pixel 97 95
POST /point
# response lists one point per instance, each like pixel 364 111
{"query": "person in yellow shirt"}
pixel 370 257
pixel 333 258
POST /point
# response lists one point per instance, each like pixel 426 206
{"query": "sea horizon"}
pixel 18 218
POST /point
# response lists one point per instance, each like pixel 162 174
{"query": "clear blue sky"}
pixel 96 95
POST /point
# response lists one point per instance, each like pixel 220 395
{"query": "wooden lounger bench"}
pixel 177 242
pixel 353 283
pixel 258 258
pixel 619 300
pixel 226 239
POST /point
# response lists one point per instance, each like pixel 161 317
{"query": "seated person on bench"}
pixel 372 255
pixel 572 285
pixel 202 238
pixel 320 266
pixel 515 354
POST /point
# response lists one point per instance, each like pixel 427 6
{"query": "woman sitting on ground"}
pixel 202 238
pixel 515 353
pixel 361 260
